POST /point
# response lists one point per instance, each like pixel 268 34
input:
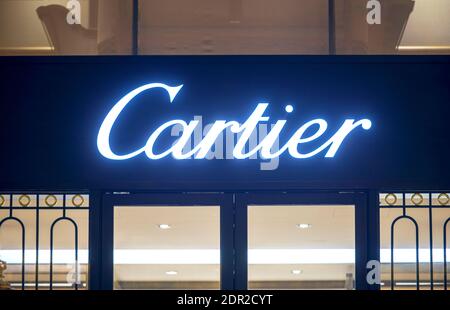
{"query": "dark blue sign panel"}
pixel 224 123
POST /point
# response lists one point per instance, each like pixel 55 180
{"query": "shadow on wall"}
pixel 397 16
pixel 356 36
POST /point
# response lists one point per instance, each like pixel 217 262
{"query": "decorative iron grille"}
pixel 44 213
pixel 430 227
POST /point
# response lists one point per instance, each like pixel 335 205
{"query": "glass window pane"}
pixel 203 27
pixel 166 247
pixel 301 247
pixel 48 27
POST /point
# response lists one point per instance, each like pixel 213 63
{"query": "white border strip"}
pixel 212 256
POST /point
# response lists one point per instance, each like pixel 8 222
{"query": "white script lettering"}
pixel 267 147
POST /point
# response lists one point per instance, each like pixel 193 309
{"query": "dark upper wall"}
pixel 51 110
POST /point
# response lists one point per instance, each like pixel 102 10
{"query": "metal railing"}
pixel 38 203
pixel 407 201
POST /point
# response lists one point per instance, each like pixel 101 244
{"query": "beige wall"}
pixel 429 24
pixel 233 27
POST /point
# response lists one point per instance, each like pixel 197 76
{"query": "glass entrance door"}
pixel 167 247
pixel 234 241
pixel 301 241
pixel 169 241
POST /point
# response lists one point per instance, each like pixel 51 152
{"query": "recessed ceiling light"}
pixel 289 108
pixel 303 226
pixel 171 273
pixel 164 226
pixel 296 271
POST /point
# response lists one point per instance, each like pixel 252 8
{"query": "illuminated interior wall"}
pixel 429 24
pixel 20 25
pixel 238 27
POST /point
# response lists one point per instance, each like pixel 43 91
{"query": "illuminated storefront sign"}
pixel 267 147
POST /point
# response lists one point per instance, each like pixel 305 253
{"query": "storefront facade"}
pixel 194 144
pixel 101 134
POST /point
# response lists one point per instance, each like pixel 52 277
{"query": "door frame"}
pixel 233 228
pixel 359 200
pixel 112 200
